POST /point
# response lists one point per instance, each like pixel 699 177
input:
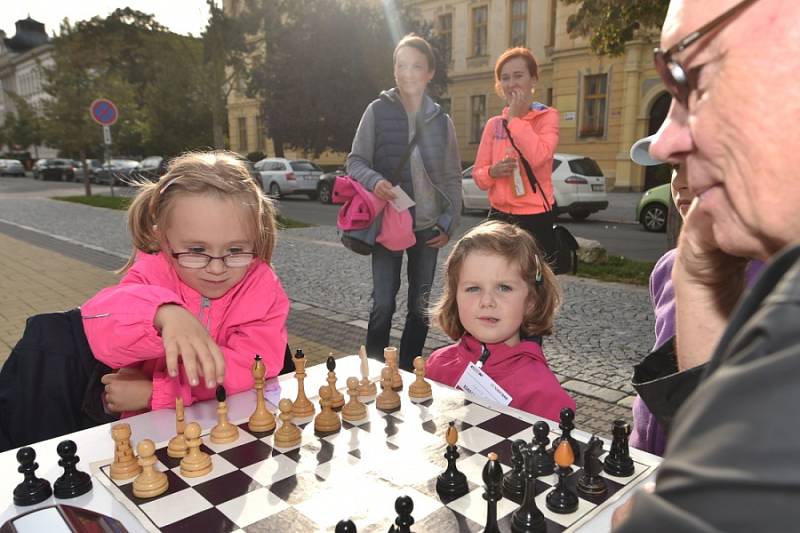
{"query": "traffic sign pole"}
pixel 104 112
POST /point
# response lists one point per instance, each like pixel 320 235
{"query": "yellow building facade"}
pixel 605 103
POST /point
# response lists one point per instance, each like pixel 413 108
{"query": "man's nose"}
pixel 673 141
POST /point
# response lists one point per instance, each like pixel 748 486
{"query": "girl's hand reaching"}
pixel 127 390
pixel 185 338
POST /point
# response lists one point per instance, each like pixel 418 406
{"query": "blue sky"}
pixel 180 16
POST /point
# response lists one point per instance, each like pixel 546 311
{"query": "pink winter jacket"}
pixel 536 135
pixel 249 319
pixel 360 209
pixel 520 370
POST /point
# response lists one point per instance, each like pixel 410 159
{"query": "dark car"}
pixel 54 169
pixel 151 168
pixel 325 186
pixel 119 170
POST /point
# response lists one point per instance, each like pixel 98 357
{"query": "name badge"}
pixel 476 382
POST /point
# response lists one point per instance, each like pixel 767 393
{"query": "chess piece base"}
pixel 356 414
pixel 155 487
pixel 76 484
pixel 386 402
pixel 32 493
pixel 201 468
pixel 177 447
pixel 224 434
pixel 420 391
pixel 327 426
pixel 452 484
pixel 527 522
pixel 261 424
pixel 290 440
pixel 127 470
pixel 302 409
pixel 513 487
pixel 561 501
pixel 618 468
pixel 591 485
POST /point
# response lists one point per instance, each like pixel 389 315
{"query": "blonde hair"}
pixel 514 244
pixel 219 173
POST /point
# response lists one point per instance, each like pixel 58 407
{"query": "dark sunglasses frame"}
pixel 672 73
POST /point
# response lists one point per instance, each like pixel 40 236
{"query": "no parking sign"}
pixel 104 112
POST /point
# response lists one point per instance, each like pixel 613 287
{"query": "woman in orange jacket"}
pixel 533 128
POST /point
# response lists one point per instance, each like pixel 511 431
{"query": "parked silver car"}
pixel 11 167
pixel 578 185
pixel 118 170
pixel 280 177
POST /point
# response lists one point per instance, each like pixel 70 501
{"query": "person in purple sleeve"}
pixel 648 434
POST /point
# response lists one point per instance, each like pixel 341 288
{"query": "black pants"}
pixel 540 226
pixel 50 384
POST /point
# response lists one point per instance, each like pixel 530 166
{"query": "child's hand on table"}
pixel 127 390
pixel 185 337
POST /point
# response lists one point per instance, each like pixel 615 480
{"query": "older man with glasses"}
pixel 733 457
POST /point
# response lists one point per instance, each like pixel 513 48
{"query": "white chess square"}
pixel 347 440
pixel 219 467
pixel 244 438
pixel 252 507
pixel 415 412
pixel 473 466
pixel 471 414
pixel 473 506
pixel 161 467
pixel 175 507
pixel 272 470
pixel 477 439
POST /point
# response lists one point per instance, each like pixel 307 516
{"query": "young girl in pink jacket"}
pixel 198 298
pixel 500 297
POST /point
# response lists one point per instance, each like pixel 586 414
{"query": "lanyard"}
pixel 484 356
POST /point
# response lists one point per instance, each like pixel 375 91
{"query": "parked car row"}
pixel 11 167
pixel 120 171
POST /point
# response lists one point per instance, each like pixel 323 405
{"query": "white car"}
pixel 280 177
pixel 11 167
pixel 578 184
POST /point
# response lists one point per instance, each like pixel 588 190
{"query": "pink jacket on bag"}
pixel 249 319
pixel 520 370
pixel 361 208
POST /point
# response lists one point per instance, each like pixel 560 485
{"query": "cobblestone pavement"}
pixel 602 330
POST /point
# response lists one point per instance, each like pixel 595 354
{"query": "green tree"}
pixel 609 24
pixel 323 62
pixel 23 127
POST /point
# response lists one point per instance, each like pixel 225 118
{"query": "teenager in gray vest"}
pixel 429 172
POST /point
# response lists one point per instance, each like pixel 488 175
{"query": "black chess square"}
pixel 208 520
pixel 227 487
pixel 257 434
pixel 505 425
pixel 172 462
pixel 247 454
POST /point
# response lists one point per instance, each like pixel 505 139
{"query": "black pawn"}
pixel 493 491
pixel 542 459
pixel 618 461
pixel 72 482
pixel 404 505
pixel 590 482
pixel 451 482
pixel 345 526
pixel 567 424
pixel 32 490
pixel 514 480
pixel 528 518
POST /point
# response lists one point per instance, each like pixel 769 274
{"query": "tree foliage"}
pixel 322 62
pixel 23 127
pixel 609 24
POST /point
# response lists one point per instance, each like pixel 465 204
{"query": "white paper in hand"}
pixel 401 201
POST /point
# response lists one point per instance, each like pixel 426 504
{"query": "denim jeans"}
pixel 386 268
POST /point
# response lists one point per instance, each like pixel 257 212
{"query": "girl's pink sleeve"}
pixel 539 145
pixel 266 337
pixel 483 159
pixel 118 322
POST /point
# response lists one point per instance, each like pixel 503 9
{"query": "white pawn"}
pixel 388 399
pixel 197 462
pixel 353 410
pixel 420 390
pixel 287 435
pixel 151 482
pixel 327 420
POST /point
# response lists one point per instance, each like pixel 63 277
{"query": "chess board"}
pixel 357 473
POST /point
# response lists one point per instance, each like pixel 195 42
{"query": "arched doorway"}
pixel 659 174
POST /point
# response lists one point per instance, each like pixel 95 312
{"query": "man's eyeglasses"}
pixel 200 260
pixel 672 72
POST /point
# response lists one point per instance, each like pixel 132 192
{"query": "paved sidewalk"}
pixel 45 265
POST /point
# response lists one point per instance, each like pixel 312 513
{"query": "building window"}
pixel 553 16
pixel 446 104
pixel 478 117
pixel 593 119
pixel 519 22
pixel 242 121
pixel 480 29
pixel 259 134
pixel 549 97
pixel 446 35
